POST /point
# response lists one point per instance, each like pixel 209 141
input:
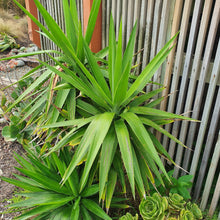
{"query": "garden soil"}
pixel 7 164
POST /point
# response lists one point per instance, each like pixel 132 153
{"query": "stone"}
pixel 19 63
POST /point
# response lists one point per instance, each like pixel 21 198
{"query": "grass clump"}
pixel 10 25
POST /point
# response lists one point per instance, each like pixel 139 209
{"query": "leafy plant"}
pixel 153 207
pixel 173 207
pixel 7 42
pixel 179 185
pixel 128 216
pixel 192 207
pixel 102 107
pixel 17 130
pixel 176 202
pixel 46 199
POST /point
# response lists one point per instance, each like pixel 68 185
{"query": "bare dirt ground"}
pixel 7 164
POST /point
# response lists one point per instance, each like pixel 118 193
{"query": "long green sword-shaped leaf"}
pixel 90 134
pixel 22 185
pixel 156 112
pixel 42 198
pixel 126 152
pixel 101 127
pixel 160 129
pixel 61 39
pixel 118 63
pixel 72 123
pixel 74 134
pixel 137 175
pixel 51 185
pixel 73 183
pixel 94 208
pixel 71 104
pixel 122 85
pixel 69 23
pixel 38 210
pixel 139 130
pixel 112 54
pixel 150 69
pixel 147 161
pixel 112 179
pixel 35 84
pixel 75 212
pixel 35 107
pixel 74 12
pixel 142 98
pixel 160 148
pixel 107 154
pixel 95 68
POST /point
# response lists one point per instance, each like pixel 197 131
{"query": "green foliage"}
pixel 128 216
pixel 192 207
pixel 14 199
pixel 186 215
pixel 17 129
pixel 173 207
pixel 45 198
pixel 176 202
pixel 153 207
pixel 98 110
pixel 7 42
pixel 180 185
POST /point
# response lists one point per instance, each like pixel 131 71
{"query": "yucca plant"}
pixel 45 199
pixel 107 116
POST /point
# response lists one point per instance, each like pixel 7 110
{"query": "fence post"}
pixel 96 42
pixel 32 27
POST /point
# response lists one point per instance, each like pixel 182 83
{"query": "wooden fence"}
pixel 191 75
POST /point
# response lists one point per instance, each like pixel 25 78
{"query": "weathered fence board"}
pixel 190 74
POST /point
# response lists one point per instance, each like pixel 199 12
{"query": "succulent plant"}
pixel 192 207
pixel 186 215
pixel 176 202
pixel 153 207
pixel 128 216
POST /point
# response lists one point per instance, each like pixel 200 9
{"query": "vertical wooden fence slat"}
pixel 147 40
pixel 178 64
pixel 130 15
pixel 162 37
pixel 198 99
pixel 204 121
pixel 154 39
pixel 171 57
pixel 195 70
pixel 170 61
pixel 215 198
pixel 211 172
pixel 119 16
pixel 108 12
pixel 142 25
pixel 188 61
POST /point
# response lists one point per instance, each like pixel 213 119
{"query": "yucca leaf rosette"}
pixel 173 218
pixel 153 207
pixel 176 202
pixel 186 215
pixel 128 216
pixel 192 207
